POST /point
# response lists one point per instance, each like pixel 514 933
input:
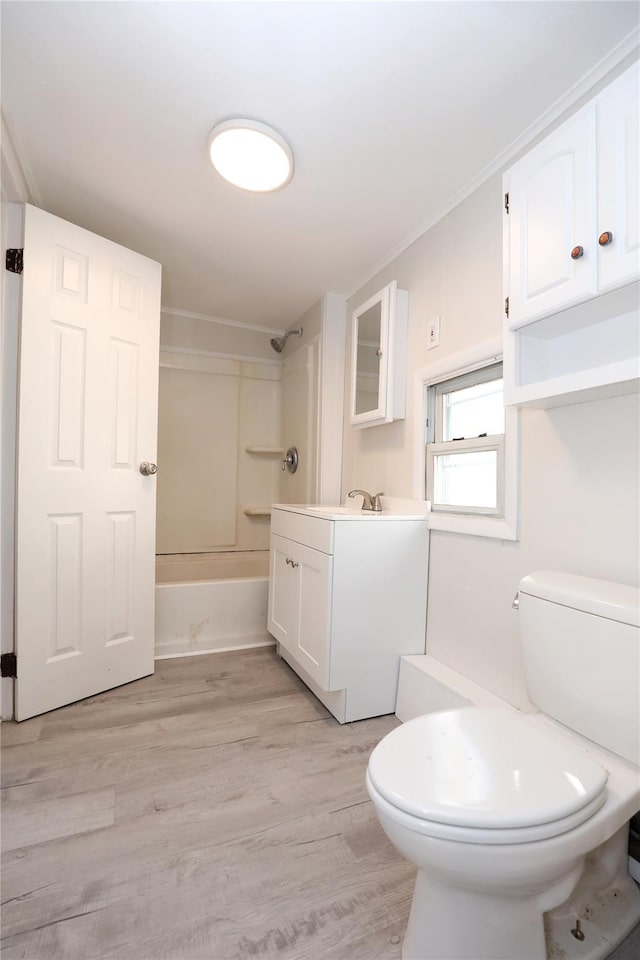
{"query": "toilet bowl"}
pixel 516 823
pixel 499 811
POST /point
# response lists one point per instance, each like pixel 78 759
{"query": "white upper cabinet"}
pixel 619 182
pixel 552 219
pixel 379 358
pixel 572 220
pixel 572 257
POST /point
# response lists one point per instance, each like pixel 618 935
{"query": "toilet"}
pixel 518 822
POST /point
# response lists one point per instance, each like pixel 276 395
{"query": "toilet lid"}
pixel 476 767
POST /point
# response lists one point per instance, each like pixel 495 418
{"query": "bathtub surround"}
pixel 213 413
pixel 324 333
pixel 229 408
pixel 579 464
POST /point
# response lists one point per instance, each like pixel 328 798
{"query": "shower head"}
pixel 278 343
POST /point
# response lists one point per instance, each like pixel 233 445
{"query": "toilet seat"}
pixel 484 776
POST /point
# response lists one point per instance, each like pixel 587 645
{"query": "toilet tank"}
pixel 581 646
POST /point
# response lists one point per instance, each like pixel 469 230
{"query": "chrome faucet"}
pixel 368 502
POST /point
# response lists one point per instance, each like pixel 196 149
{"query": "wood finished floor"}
pixel 215 810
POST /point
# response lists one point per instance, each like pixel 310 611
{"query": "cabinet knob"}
pixel 605 238
pixel 577 252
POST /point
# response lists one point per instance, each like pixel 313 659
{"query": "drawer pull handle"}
pixel 577 252
pixel 605 238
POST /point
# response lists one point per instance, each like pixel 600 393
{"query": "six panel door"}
pixel 85 523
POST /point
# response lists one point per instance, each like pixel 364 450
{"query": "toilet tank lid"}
pixel 602 598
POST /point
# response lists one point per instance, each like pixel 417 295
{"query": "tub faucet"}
pixel 368 502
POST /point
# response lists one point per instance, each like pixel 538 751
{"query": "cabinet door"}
pixel 299 617
pixel 619 182
pixel 314 637
pixel 552 210
pixel 284 593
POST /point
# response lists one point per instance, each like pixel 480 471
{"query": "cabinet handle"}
pixel 577 252
pixel 605 238
pixel 293 563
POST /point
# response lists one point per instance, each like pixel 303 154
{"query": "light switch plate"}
pixel 433 333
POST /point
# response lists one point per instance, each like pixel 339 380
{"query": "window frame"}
pixel 506 525
pixel 437 446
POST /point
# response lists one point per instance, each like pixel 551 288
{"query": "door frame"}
pixel 12 217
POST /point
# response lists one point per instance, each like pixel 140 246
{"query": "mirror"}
pixel 368 354
pixel 378 358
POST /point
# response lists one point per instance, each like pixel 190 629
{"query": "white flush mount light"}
pixel 251 155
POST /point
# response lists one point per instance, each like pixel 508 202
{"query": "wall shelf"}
pixel 266 451
pixel 257 511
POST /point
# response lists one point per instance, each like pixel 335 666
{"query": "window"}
pixel 465 443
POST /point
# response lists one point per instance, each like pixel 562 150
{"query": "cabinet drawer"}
pixel 314 532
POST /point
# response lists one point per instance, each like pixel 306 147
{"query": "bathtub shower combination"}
pixel 211 601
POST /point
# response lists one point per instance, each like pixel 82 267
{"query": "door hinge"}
pixel 506 203
pixel 506 306
pixel 14 260
pixel 8 665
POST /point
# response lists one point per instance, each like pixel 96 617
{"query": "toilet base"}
pixel 606 901
pixel 458 923
pixel 454 924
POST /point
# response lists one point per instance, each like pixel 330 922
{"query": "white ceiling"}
pixel 392 109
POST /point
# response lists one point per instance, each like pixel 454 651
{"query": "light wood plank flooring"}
pixel 215 810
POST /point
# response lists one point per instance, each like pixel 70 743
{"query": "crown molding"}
pixel 569 99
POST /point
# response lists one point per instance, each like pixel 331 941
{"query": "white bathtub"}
pixel 212 601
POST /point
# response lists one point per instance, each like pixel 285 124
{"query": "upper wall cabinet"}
pixel 572 256
pixel 379 358
pixel 572 226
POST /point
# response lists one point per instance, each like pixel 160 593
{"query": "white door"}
pixel 619 182
pixel 87 419
pixel 552 213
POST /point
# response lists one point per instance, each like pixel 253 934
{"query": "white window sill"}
pixel 495 527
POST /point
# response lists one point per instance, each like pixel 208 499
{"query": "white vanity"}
pixel 348 598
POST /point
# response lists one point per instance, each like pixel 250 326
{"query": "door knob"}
pixel 148 469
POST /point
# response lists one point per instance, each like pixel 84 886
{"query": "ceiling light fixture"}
pixel 251 155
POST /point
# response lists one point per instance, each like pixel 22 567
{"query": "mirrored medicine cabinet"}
pixel 379 358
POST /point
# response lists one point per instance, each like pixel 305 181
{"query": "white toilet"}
pixel 518 823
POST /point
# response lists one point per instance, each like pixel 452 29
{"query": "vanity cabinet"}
pixel 572 255
pixel 379 358
pixel 347 598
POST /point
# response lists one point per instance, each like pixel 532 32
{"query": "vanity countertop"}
pixel 392 509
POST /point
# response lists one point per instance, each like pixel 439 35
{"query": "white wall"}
pixel 579 464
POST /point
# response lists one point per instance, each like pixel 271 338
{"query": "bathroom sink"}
pixel 330 508
pixel 392 509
